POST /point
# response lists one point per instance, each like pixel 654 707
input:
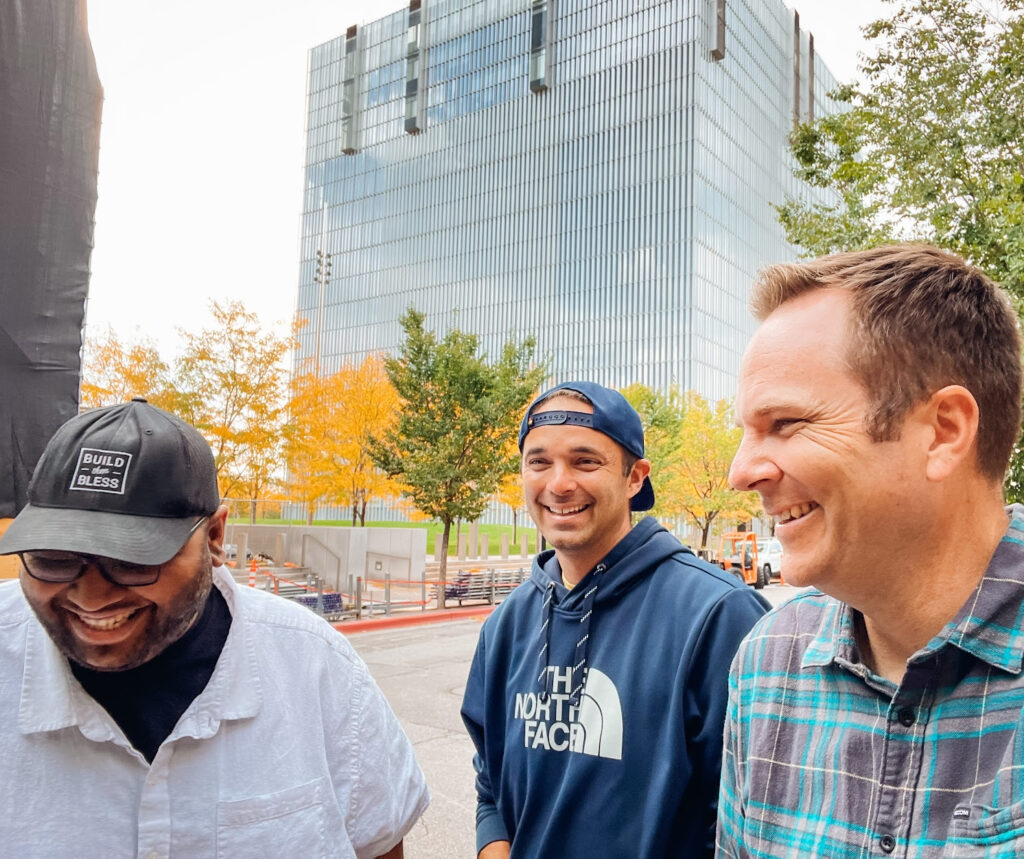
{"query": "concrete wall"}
pixel 339 554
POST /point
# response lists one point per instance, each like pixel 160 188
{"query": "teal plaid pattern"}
pixel 824 759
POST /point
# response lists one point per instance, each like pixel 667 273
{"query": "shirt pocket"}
pixel 983 832
pixel 290 822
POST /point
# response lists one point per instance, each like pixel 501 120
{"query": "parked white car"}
pixel 769 555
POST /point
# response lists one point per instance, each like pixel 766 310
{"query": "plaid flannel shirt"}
pixel 823 758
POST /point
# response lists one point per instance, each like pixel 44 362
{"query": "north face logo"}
pixel 592 728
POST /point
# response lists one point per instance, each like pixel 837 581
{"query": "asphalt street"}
pixel 422 670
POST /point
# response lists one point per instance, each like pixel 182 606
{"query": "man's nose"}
pixel 751 466
pixel 91 590
pixel 562 479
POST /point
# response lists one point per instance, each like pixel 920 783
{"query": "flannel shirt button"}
pixel 887 843
pixel 907 717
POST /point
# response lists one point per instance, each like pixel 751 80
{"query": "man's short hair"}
pixel 922 319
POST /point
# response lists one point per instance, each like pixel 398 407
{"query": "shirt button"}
pixel 887 843
pixel 907 717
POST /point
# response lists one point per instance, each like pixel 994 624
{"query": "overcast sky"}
pixel 201 150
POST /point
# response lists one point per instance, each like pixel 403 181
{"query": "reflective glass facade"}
pixel 596 173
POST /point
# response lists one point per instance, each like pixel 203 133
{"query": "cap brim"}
pixel 136 539
pixel 644 499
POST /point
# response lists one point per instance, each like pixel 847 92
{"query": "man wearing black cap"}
pixel 596 699
pixel 148 705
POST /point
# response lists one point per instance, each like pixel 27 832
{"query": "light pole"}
pixel 323 277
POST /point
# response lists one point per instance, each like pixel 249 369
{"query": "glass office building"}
pixel 597 173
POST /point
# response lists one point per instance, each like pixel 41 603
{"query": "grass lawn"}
pixel 433 530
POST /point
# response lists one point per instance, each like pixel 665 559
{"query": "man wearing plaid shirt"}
pixel 880 714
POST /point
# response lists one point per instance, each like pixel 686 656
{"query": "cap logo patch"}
pixel 101 471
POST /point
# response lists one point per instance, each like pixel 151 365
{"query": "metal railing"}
pixel 309 538
pixel 386 596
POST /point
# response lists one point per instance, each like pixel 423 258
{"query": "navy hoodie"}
pixel 597 713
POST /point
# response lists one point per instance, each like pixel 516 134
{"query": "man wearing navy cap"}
pixel 148 705
pixel 596 699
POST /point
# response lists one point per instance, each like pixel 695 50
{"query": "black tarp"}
pixel 50 103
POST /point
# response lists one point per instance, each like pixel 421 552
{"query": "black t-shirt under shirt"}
pixel 147 701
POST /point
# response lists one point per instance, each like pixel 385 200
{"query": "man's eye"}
pixel 53 558
pixel 784 424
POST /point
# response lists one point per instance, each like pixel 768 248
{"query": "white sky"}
pixel 202 147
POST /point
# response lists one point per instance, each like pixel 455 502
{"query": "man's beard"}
pixel 167 623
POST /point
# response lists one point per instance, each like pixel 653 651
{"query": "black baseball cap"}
pixel 125 482
pixel 613 416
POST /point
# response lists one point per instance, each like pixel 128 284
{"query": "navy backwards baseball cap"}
pixel 124 482
pixel 613 416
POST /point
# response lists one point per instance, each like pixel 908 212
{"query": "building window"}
pixel 413 46
pixel 349 107
pixel 810 77
pixel 539 47
pixel 796 69
pixel 718 51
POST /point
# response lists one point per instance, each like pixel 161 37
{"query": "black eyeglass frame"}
pixel 139 575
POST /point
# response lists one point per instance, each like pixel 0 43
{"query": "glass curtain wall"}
pixel 597 174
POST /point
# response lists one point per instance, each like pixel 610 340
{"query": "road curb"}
pixel 400 620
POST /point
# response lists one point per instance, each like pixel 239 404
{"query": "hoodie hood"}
pixel 635 557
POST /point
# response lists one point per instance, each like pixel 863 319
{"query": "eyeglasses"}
pixel 63 568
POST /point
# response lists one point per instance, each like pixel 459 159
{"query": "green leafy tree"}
pixel 662 415
pixel 931 145
pixel 450 446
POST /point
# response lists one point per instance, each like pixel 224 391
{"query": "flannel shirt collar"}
pixel 989 626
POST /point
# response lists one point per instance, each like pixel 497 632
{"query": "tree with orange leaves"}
pixel 510 492
pixel 114 371
pixel 231 383
pixel 691 442
pixel 332 421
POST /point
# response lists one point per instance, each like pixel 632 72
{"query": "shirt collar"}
pixel 835 637
pixel 989 626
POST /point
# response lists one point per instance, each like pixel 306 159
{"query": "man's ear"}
pixel 951 415
pixel 638 473
pixel 215 530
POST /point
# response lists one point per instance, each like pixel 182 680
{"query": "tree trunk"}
pixel 705 528
pixel 362 513
pixel 442 571
pixel 515 518
pixel 252 512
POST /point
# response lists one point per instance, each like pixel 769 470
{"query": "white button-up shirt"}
pixel 290 750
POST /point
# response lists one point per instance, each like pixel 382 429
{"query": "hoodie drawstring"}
pixel 579 660
pixel 544 678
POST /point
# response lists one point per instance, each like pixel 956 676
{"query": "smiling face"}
pixel 111 628
pixel 847 508
pixel 576 488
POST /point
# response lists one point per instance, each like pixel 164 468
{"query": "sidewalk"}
pixel 413 618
